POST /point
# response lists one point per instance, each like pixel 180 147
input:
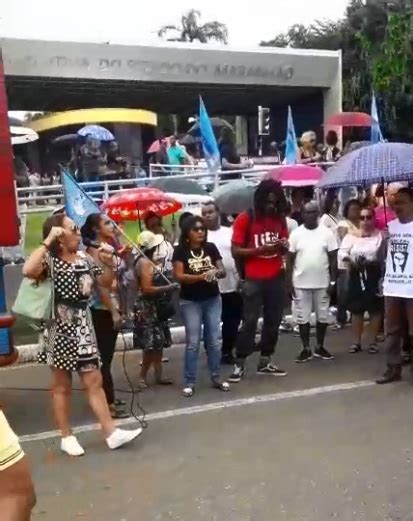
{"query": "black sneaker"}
pixel 271 369
pixel 304 356
pixel 320 352
pixel 237 374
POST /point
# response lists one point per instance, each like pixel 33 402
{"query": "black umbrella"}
pixel 217 124
pixel 188 140
pixel 66 139
pixel 234 197
pixel 179 186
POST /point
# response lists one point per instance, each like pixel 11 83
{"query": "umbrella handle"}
pixel 384 201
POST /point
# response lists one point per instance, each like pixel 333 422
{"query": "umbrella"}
pixel 355 146
pixel 217 124
pixel 234 197
pixel 132 205
pixel 380 163
pixel 188 140
pixel 350 119
pixel 156 145
pixel 296 175
pixel 15 122
pixel 20 131
pixel 26 138
pixel 97 132
pixel 179 186
pixel 66 139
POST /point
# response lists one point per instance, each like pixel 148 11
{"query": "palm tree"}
pixel 191 30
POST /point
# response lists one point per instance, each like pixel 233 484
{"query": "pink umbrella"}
pixel 296 175
pixel 156 145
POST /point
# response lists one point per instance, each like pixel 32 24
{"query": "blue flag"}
pixel 376 135
pixel 209 142
pixel 79 205
pixel 290 141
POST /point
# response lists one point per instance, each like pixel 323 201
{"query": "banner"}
pixel 78 204
pixel 209 142
pixel 291 148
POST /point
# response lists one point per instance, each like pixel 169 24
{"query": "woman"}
pixel 153 307
pixel 69 339
pixel 331 152
pixel 154 224
pixel 98 230
pixel 330 217
pixel 308 150
pixel 351 219
pixel 197 267
pixel 365 256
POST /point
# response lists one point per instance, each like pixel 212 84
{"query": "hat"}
pixel 149 240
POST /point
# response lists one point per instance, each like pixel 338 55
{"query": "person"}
pixel 274 153
pixel 115 161
pixel 176 154
pixel 161 158
pixel 365 256
pixel 91 159
pixel 153 307
pixel 311 277
pixel 230 159
pixel 21 172
pixel 105 306
pixel 330 217
pixel 221 236
pixel 398 283
pixel 69 341
pixel 153 223
pixel 35 181
pixel 197 267
pixel 292 224
pixel 297 201
pixel 351 219
pixel 17 494
pixel 331 152
pixel 385 204
pixel 259 242
pixel 308 151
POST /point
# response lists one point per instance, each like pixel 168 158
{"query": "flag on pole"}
pixel 209 142
pixel 79 205
pixel 376 135
pixel 290 141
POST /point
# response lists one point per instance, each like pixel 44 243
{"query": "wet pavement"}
pixel 323 443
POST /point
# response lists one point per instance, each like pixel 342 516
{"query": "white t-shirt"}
pixel 311 262
pixel 292 225
pixel 330 222
pixel 355 247
pixel 398 281
pixel 222 238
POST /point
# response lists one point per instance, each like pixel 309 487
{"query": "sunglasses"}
pixel 366 217
pixel 198 229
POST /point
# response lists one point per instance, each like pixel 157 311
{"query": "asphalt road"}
pixel 323 443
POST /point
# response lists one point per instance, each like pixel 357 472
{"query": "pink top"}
pixel 381 218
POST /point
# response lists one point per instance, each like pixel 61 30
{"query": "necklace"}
pixel 200 256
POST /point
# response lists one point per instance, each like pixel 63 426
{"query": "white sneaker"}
pixel 71 446
pixel 120 437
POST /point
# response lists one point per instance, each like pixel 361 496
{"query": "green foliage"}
pixel 191 30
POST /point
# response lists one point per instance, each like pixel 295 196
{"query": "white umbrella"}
pixel 19 131
pixel 26 138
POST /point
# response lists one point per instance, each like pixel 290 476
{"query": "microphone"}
pixel 90 243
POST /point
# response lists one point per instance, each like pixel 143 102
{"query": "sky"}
pixel 137 21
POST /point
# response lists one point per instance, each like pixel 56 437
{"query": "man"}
pixel 259 241
pixel 311 276
pixel 91 160
pixel 398 283
pixel 17 495
pixel 176 154
pixel 221 236
pixel 230 159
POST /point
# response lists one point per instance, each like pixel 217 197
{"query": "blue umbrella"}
pixel 97 132
pixel 380 163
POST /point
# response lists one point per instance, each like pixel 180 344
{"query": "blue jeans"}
pixel 196 314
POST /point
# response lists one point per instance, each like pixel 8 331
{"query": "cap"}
pixel 149 240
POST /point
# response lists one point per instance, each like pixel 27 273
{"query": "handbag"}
pixel 35 300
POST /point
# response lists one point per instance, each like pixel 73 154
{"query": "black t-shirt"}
pixel 195 263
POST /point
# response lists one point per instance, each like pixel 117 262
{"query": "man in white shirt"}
pixel 398 283
pixel 221 236
pixel 311 275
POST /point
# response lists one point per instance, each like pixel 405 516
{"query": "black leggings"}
pixel 106 336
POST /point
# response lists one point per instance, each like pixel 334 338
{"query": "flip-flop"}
pixel 165 381
pixel 373 350
pixel 355 348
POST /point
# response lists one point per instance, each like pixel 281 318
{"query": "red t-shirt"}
pixel 263 230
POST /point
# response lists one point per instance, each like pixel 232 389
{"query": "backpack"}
pixel 240 262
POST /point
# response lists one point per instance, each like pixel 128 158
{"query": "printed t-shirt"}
pixel 262 230
pixel 196 263
pixel 398 281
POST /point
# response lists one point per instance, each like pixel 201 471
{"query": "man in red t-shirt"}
pixel 259 241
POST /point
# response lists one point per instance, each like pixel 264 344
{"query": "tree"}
pixel 191 30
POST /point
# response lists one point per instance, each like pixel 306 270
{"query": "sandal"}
pixel 355 348
pixel 222 386
pixel 118 414
pixel 142 385
pixel 373 350
pixel 119 403
pixel 164 381
pixel 188 392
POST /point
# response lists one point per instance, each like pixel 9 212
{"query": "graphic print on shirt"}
pixel 261 239
pixel 399 251
pixel 200 265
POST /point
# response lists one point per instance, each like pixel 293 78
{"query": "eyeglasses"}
pixel 366 217
pixel 198 229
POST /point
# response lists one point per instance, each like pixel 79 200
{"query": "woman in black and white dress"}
pixel 69 338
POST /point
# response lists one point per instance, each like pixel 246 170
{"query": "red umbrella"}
pixel 132 205
pixel 296 175
pixel 350 119
pixel 156 145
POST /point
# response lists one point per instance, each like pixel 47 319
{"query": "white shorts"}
pixel 308 300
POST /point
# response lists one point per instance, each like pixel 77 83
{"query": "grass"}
pixel 35 222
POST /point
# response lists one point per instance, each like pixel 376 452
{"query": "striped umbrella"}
pixel 380 163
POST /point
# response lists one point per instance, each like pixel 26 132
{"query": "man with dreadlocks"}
pixel 259 242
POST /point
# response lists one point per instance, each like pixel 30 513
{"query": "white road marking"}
pixel 185 411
